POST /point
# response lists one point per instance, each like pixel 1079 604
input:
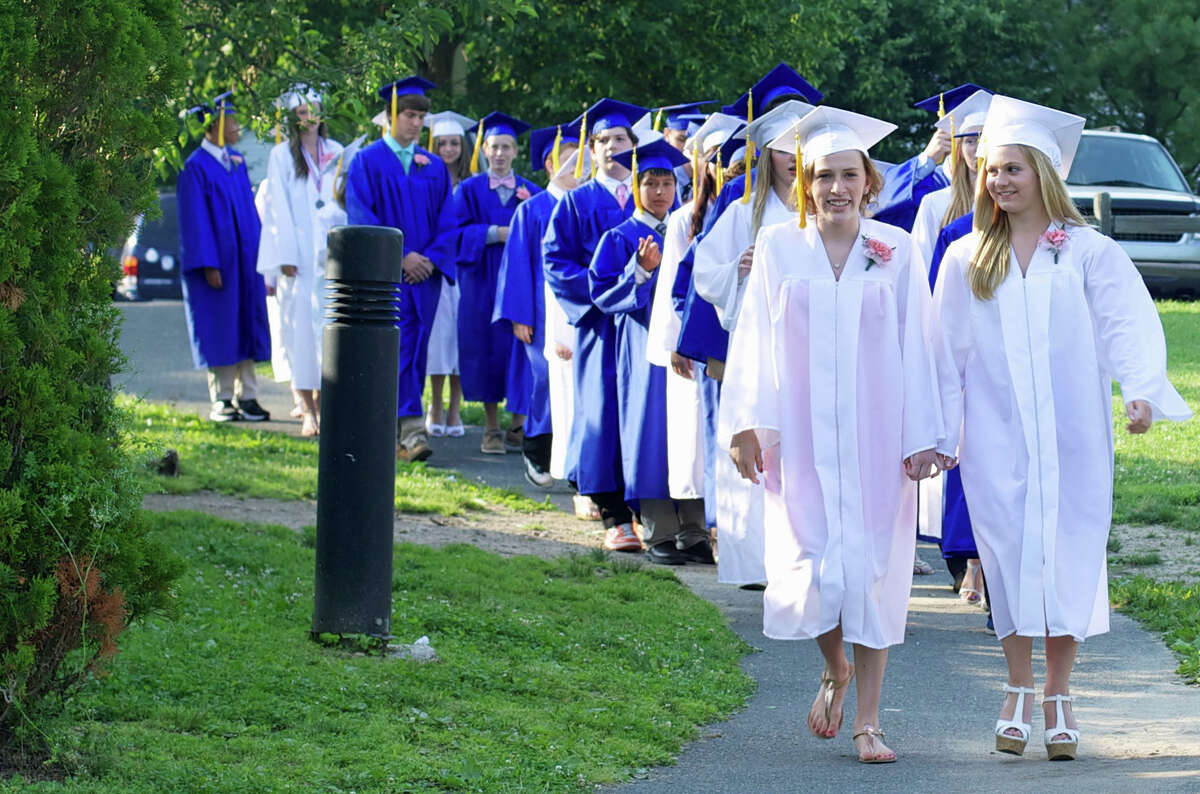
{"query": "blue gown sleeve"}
pixel 565 260
pixel 441 249
pixel 959 227
pixel 197 244
pixel 472 225
pixel 903 189
pixel 612 278
pixel 516 282
pixel 360 207
pixel 683 277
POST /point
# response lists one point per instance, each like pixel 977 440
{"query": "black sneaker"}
pixel 252 411
pixel 224 411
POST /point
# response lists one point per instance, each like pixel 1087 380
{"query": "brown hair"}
pixel 874 186
pixel 702 194
pixel 460 169
pixel 296 147
pixel 409 102
pixel 989 265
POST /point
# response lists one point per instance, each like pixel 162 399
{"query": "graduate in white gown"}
pixel 299 183
pixel 1014 304
pixel 723 260
pixel 836 412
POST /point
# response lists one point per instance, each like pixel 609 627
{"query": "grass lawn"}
pixel 554 675
pixel 236 460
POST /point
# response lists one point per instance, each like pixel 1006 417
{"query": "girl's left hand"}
pixel 1140 417
pixel 921 465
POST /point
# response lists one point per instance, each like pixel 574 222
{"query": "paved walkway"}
pixel 1141 726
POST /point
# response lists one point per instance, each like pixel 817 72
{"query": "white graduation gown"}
pixel 562 382
pixel 442 354
pixel 685 418
pixel 1032 391
pixel 837 379
pixel 739 508
pixel 280 369
pixel 928 223
pixel 294 237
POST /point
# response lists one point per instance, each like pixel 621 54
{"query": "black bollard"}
pixel 356 474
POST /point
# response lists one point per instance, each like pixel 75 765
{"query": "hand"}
pixel 745 261
pixel 288 270
pixel 213 276
pixel 562 351
pixel 682 365
pixel 416 267
pixel 502 233
pixel 1140 417
pixel 649 256
pixel 523 332
pixel 921 465
pixel 747 455
pixel 938 146
pixel 945 462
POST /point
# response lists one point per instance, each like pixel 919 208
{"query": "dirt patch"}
pixel 505 532
pixel 1161 553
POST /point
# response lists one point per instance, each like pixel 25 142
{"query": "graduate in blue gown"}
pixel 491 363
pixel 905 184
pixel 677 123
pixel 576 224
pixel 395 182
pixel 521 297
pixel 622 280
pixel 224 295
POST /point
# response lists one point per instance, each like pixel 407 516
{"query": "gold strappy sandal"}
pixel 872 733
pixel 828 688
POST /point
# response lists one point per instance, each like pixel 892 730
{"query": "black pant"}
pixel 613 509
pixel 537 450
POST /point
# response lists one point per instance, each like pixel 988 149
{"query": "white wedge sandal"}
pixel 1012 744
pixel 1063 749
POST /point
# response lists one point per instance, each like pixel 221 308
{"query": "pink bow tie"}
pixel 509 181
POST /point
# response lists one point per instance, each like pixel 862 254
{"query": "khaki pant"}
pixel 665 520
pixel 221 381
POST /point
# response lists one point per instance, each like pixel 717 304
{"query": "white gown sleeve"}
pixel 951 338
pixel 927 226
pixel 279 225
pixel 1129 334
pixel 716 272
pixel 664 322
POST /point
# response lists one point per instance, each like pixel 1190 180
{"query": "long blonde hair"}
pixel 764 183
pixel 989 266
pixel 962 192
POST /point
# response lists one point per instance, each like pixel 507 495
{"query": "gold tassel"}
pixel 554 151
pixel 941 106
pixel 658 121
pixel 278 129
pixel 478 143
pixel 221 126
pixel 637 193
pixel 720 173
pixel 953 148
pixel 338 171
pixel 392 120
pixel 696 178
pixel 430 146
pixel 583 142
pixel 801 202
pixel 749 157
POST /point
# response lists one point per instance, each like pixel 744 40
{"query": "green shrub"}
pixel 84 104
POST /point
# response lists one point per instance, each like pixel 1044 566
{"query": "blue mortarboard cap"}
pixel 948 99
pixel 224 101
pixel 541 142
pixel 676 117
pixel 408 85
pixel 609 113
pixel 780 81
pixel 732 146
pixel 657 154
pixel 497 123
pixel 200 110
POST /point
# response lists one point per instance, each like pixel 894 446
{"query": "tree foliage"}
pixel 81 117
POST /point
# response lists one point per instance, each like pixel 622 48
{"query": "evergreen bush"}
pixel 84 89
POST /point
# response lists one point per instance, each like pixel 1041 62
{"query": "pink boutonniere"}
pixel 236 159
pixel 420 159
pixel 522 192
pixel 878 252
pixel 1055 240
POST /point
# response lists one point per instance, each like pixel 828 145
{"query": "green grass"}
pixel 262 463
pixel 554 675
pixel 1158 474
pixel 1170 608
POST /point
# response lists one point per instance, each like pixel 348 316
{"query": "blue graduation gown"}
pixel 902 193
pixel 379 193
pixel 576 224
pixel 521 298
pixel 641 386
pixel 219 227
pixel 485 349
pixel 957 538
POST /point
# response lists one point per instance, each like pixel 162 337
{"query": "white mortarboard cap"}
pixel 1052 132
pixel 827 130
pixel 351 149
pixel 767 127
pixel 713 132
pixel 448 123
pixel 968 114
pixel 644 124
pixel 298 95
pixel 646 135
pixel 381 119
pixel 567 167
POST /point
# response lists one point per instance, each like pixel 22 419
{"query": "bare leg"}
pixel 1018 653
pixel 491 416
pixel 435 401
pixel 825 717
pixel 452 416
pixel 869 664
pixel 309 412
pixel 1060 659
pixel 518 421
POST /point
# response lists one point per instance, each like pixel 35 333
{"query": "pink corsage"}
pixel 420 159
pixel 522 192
pixel 325 158
pixel 1055 240
pixel 878 252
pixel 236 159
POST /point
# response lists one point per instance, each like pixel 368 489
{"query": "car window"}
pixel 163 231
pixel 1129 162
